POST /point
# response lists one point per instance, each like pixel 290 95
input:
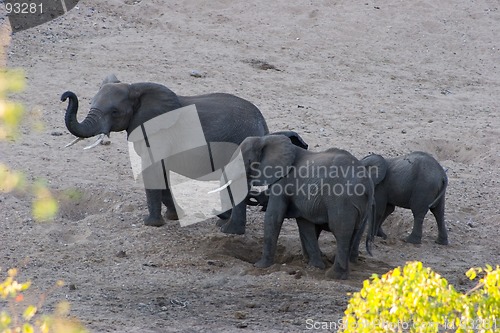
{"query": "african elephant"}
pixel 119 106
pixel 315 188
pixel 415 181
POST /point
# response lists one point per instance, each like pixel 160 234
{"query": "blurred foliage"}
pixel 416 299
pixel 44 205
pixel 10 112
pixel 23 318
pixel 15 316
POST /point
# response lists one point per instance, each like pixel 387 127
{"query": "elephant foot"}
pixel 413 239
pixel 442 240
pixel 318 263
pixel 224 216
pixel 232 228
pixel 381 233
pixel 171 215
pixel 337 275
pixel 263 263
pixel 152 221
pixel 174 214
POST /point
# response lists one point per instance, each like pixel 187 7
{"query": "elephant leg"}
pixel 340 268
pixel 356 239
pixel 155 182
pixel 236 223
pixel 418 219
pixel 173 212
pixel 308 232
pixel 438 212
pixel 154 198
pixel 389 209
pixel 273 220
pixel 343 228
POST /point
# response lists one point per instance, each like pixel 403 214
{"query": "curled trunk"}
pixel 88 127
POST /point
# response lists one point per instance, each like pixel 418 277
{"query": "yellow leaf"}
pixel 29 312
pixel 471 274
pixel 27 328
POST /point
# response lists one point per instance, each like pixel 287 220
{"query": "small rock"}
pixel 240 315
pixel 403 131
pixel 241 325
pixel 56 133
pixel 121 254
pixel 284 307
pixel 195 73
pixel 215 263
pixel 72 286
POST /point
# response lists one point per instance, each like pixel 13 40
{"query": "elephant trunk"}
pixel 88 127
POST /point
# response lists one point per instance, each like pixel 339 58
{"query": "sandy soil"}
pixel 374 76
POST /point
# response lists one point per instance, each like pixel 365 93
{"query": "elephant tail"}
pixel 372 225
pixel 367 217
pixel 441 193
pixel 370 237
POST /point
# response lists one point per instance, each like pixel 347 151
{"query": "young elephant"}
pixel 415 181
pixel 315 188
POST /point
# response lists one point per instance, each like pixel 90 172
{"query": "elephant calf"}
pixel 415 181
pixel 315 188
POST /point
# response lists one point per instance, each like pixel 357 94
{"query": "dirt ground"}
pixel 371 76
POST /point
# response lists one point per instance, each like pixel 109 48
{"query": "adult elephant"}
pixel 119 106
pixel 317 189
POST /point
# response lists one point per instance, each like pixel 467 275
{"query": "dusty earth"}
pixel 372 76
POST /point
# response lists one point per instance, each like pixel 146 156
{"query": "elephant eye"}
pixel 115 113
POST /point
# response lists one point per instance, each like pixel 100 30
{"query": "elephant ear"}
pixel 376 167
pixel 111 78
pixel 148 101
pixel 294 137
pixel 275 157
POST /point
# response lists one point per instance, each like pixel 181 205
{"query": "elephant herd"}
pixel 228 138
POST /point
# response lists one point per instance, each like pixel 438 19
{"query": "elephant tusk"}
pixel 221 188
pixel 73 142
pixel 98 141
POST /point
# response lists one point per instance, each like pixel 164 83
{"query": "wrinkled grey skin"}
pixel 262 198
pixel 415 181
pixel 266 158
pixel 122 107
pixel 309 236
